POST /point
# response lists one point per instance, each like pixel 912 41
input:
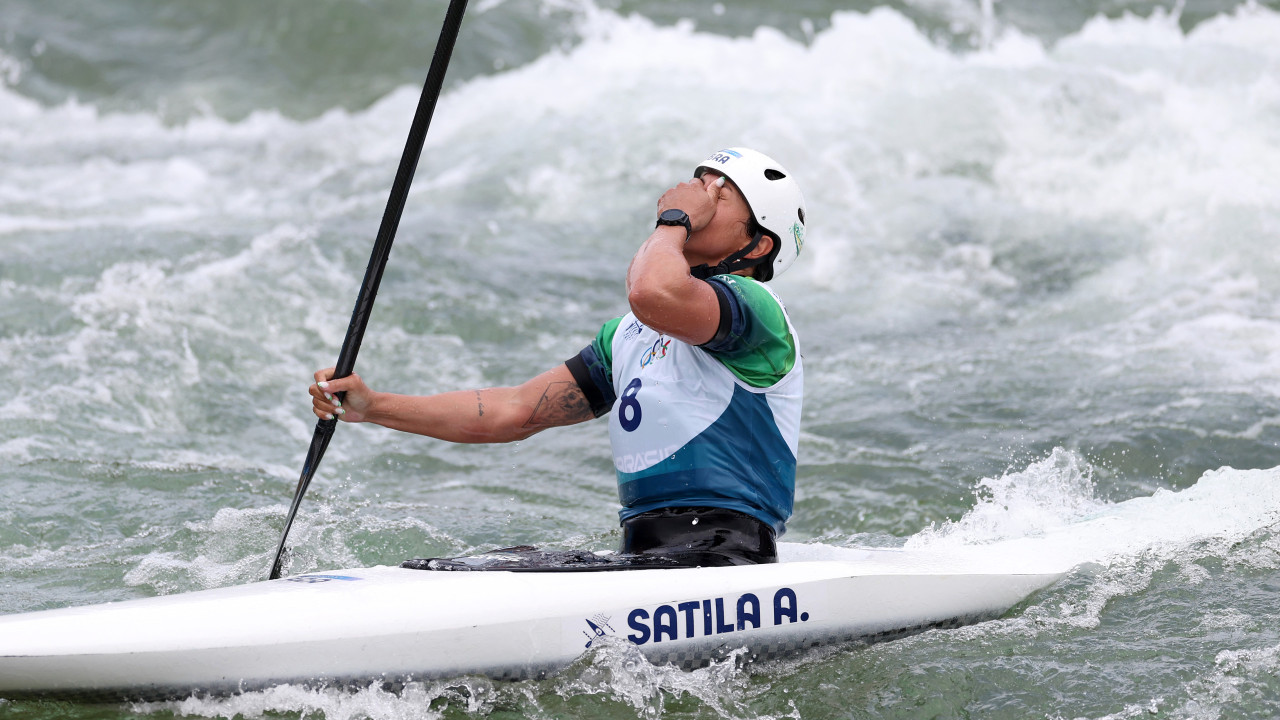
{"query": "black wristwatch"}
pixel 676 217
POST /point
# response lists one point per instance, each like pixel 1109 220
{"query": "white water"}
pixel 1013 249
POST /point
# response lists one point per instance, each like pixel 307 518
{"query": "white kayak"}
pixel 392 625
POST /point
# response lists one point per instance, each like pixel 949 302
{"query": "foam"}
pixel 1235 683
pixel 614 672
pixel 236 546
pixel 414 702
pixel 1102 125
pixel 1048 495
pixel 1047 513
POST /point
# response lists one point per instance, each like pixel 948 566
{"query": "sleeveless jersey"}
pixel 715 425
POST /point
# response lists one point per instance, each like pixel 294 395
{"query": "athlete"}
pixel 703 376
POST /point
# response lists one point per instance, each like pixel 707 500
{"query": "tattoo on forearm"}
pixel 479 404
pixel 562 403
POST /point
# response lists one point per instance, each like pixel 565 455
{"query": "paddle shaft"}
pixel 381 251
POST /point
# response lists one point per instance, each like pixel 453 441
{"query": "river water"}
pixel 1039 300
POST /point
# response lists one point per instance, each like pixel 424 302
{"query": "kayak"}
pixel 395 625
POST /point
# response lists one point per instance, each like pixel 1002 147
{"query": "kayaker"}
pixel 703 376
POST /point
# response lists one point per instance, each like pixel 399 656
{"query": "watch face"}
pixel 674 217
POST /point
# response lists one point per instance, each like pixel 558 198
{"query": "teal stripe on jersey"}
pixel 740 462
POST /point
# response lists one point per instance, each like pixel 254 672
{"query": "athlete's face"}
pixel 727 232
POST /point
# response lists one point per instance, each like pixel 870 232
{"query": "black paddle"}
pixel 381 250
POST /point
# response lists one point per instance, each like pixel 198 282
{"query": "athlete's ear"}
pixel 762 249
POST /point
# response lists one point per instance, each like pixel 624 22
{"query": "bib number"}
pixel 629 406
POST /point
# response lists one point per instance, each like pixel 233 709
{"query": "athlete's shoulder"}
pixel 750 290
pixel 758 346
pixel 744 283
pixel 608 330
pixel 756 300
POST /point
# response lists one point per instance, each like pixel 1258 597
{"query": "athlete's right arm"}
pixel 491 415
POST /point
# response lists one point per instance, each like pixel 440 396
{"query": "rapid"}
pixel 1039 303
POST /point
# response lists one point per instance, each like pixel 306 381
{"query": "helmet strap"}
pixel 733 263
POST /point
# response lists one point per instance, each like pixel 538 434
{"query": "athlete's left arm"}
pixel 489 415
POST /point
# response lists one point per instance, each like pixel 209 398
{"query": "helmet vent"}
pixel 771 174
pixel 800 212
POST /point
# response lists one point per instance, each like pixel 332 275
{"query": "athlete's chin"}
pixel 696 258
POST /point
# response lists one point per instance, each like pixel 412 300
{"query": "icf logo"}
pixel 599 627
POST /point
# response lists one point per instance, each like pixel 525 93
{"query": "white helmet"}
pixel 772 196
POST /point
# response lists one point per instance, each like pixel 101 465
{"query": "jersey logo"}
pixel 634 329
pixel 657 351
